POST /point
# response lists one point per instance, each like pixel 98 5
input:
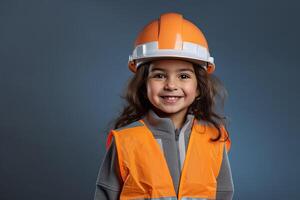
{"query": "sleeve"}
pixel 225 186
pixel 109 182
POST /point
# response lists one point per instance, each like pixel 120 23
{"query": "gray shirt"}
pixel 173 143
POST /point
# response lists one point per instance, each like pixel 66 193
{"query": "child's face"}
pixel 171 86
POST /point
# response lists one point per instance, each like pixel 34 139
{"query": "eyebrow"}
pixel 180 70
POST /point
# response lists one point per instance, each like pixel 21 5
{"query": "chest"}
pixel 151 163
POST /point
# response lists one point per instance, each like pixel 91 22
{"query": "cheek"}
pixel 152 89
pixel 191 90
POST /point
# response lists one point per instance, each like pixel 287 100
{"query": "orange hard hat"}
pixel 171 36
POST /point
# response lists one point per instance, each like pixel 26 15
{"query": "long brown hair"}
pixel 212 94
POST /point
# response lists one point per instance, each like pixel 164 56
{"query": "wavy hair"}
pixel 212 94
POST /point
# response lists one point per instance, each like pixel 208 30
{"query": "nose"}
pixel 170 84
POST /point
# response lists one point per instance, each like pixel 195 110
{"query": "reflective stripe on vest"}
pixel 145 172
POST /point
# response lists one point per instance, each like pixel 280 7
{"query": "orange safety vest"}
pixel 145 173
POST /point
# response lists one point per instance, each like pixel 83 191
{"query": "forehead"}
pixel 171 65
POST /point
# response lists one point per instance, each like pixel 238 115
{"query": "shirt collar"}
pixel 164 124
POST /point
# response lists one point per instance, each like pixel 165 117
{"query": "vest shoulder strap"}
pixel 203 125
pixel 131 125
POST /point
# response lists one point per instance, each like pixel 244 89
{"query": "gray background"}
pixel 64 66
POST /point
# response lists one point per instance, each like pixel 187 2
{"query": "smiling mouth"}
pixel 170 99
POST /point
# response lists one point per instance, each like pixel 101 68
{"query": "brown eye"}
pixel 159 76
pixel 184 76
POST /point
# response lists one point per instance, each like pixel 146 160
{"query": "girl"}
pixel 169 142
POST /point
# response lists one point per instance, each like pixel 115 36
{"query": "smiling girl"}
pixel 169 142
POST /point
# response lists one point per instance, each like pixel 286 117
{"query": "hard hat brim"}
pixel 189 52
